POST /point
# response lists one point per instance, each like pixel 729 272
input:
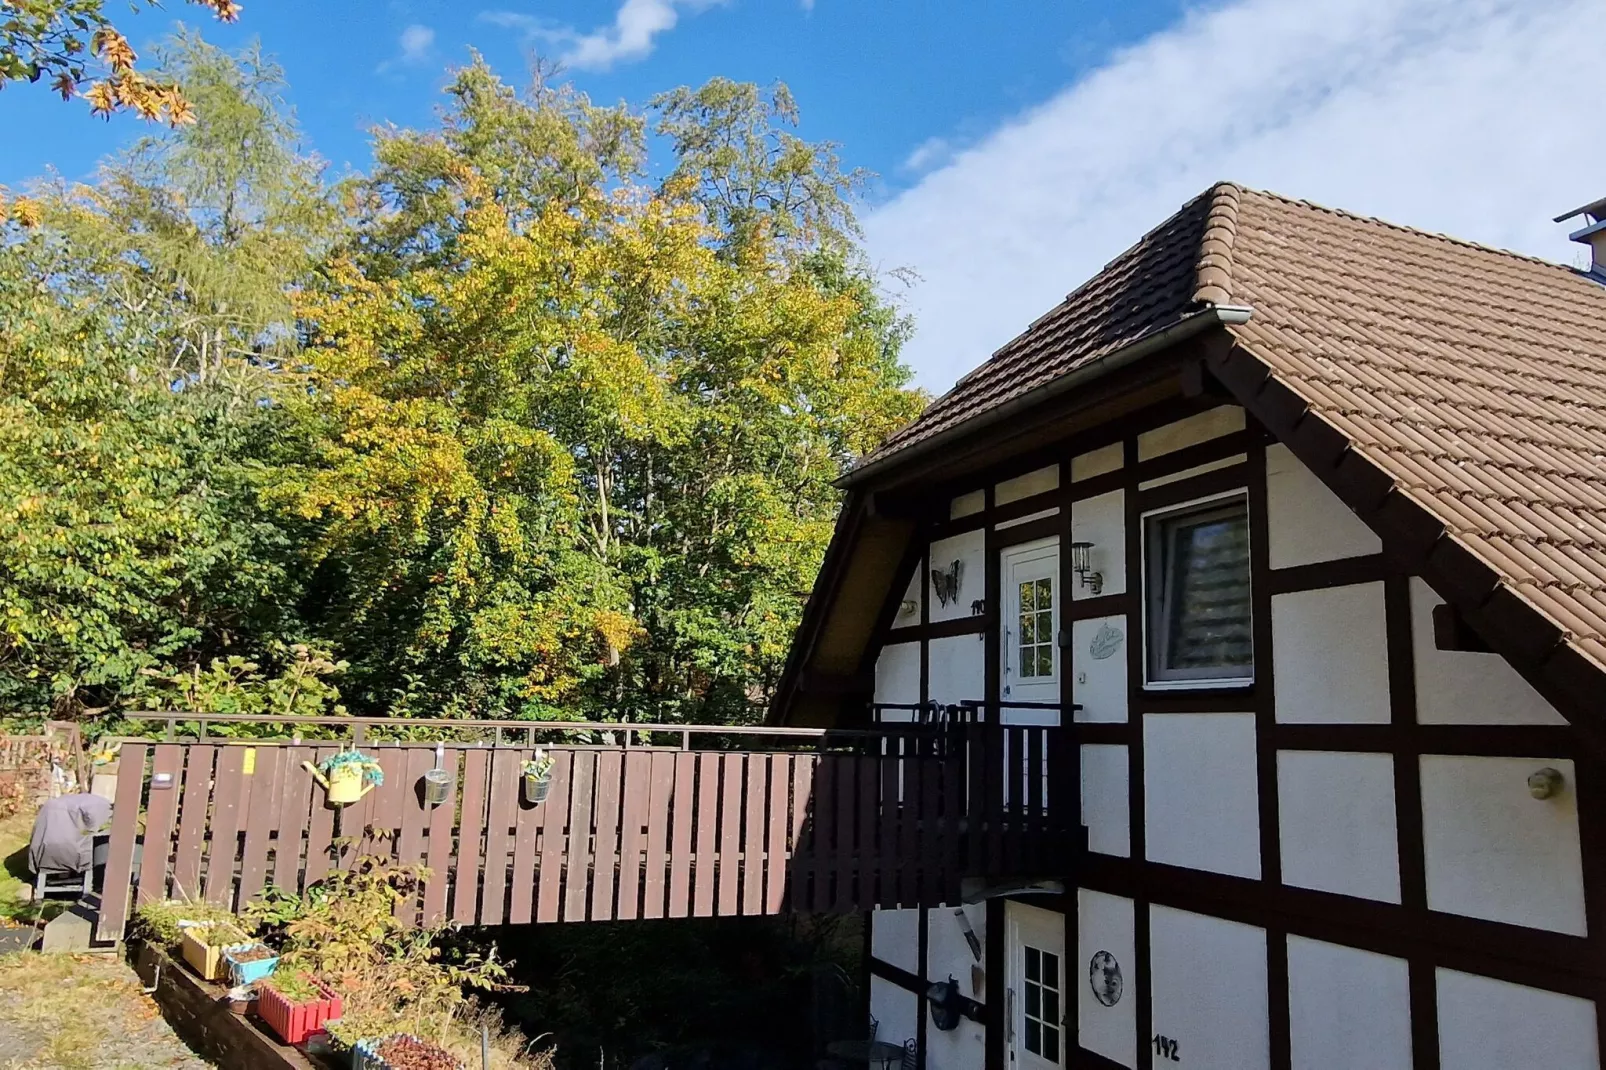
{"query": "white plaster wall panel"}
pixel 1338 832
pixel 1200 795
pixel 1203 427
pixel 1106 774
pixel 1329 653
pixel 1485 1024
pixel 962 1048
pixel 1098 668
pixel 1101 521
pixel 948 955
pixel 1348 1009
pixel 1027 519
pixel 1013 490
pixel 1097 462
pixel 897 673
pixel 969 549
pixel 1196 470
pixel 895 1010
pixel 957 668
pixel 1494 851
pixel 967 504
pixel 1105 973
pixel 1457 687
pixel 1208 980
pixel 1305 521
pixel 908 614
pixel 895 937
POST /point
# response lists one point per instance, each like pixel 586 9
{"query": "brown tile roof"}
pixel 1474 378
pixel 1146 288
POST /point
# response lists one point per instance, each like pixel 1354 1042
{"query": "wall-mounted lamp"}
pixel 1082 565
pixel 948 1006
pixel 1545 783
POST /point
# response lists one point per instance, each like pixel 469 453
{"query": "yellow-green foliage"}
pixel 501 428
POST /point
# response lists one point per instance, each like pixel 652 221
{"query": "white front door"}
pixel 1035 998
pixel 1031 659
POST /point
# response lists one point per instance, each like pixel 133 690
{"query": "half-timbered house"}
pixel 1277 551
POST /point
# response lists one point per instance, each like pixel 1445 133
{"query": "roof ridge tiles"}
pixel 1213 270
pixel 1450 239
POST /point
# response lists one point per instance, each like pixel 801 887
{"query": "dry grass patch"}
pixel 80 1012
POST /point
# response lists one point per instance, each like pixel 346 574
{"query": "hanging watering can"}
pixel 348 779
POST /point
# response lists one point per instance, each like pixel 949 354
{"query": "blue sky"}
pixel 881 78
pixel 1021 143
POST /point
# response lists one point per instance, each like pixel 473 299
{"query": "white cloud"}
pixel 928 154
pixel 416 42
pixel 635 27
pixel 414 47
pixel 1472 117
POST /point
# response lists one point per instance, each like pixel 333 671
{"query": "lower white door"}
pixel 1035 999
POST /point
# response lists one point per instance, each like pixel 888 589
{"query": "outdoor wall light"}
pixel 948 1006
pixel 1545 783
pixel 1082 565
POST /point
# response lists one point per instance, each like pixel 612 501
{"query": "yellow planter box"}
pixel 204 957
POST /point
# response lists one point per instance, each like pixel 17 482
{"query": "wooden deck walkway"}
pixel 897 818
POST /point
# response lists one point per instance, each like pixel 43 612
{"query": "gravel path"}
pixel 82 1012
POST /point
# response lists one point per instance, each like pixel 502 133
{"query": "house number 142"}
pixel 1166 1048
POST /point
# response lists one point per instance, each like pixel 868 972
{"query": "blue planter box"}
pixel 245 973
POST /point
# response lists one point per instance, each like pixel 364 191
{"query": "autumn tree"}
pixel 583 453
pixel 61 40
pixel 502 428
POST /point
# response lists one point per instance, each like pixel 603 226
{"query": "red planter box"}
pixel 294 1022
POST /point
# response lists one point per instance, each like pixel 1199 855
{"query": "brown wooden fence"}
pixel 895 819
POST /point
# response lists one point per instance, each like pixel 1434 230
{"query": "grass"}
pixel 65 1000
pixel 16 883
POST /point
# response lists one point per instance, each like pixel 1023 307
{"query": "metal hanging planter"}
pixel 437 781
pixel 537 778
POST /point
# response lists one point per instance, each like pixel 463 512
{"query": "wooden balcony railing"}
pixel 815 821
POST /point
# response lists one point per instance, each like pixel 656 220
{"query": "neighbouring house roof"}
pixel 1452 394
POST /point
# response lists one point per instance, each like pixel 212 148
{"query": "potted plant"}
pixel 537 776
pixel 203 946
pixel 347 776
pixel 403 1051
pixel 250 962
pixel 296 1004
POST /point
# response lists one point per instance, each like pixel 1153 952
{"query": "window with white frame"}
pixel 1196 590
pixel 1040 1009
pixel 1035 653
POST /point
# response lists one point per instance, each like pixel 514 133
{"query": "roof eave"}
pixel 1187 327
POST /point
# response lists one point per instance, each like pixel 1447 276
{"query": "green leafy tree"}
pixel 146 319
